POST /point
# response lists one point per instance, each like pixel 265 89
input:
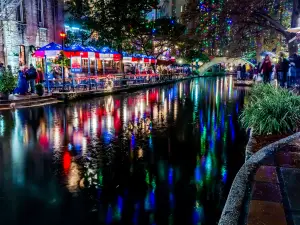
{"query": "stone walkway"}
pixel 275 194
pixel 19 101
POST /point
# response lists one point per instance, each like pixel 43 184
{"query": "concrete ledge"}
pixel 17 102
pixel 235 202
pixel 249 147
pixel 243 83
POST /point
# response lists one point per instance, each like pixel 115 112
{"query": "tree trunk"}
pixel 295 22
pixel 292 46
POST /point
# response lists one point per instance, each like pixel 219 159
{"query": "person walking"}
pixel 31 75
pixel 22 86
pixel 266 69
pixel 9 69
pixel 282 69
pixel 2 69
pixel 255 73
pixel 244 71
pixel 40 77
pixel 239 71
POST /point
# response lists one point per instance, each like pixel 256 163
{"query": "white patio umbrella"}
pixel 295 30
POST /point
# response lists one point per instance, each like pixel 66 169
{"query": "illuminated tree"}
pixel 256 20
pixel 158 37
pixel 112 20
pixel 241 27
pixel 203 19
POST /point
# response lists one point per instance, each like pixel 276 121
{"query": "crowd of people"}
pixel 27 78
pixel 286 71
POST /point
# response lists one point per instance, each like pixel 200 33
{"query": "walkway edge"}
pixel 234 204
pixel 70 96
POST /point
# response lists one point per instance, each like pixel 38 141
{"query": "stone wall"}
pixel 30 34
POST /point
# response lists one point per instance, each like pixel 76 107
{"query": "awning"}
pixel 49 50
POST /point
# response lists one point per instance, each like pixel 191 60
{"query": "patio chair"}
pixel 83 84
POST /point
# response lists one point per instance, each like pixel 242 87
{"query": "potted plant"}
pixel 39 89
pixel 8 83
pixel 271 113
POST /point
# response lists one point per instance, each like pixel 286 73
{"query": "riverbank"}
pixel 16 102
pixel 27 101
pixel 265 188
pixel 70 96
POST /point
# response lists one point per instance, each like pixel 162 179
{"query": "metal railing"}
pixel 106 82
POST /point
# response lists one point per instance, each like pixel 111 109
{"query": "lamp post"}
pixel 63 35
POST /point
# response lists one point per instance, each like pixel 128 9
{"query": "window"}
pixel 22 58
pixel 20 13
pixel 40 12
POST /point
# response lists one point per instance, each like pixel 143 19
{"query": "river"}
pixel 164 155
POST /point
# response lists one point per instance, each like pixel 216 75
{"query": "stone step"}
pixel 31 103
pixel 55 101
pixel 25 99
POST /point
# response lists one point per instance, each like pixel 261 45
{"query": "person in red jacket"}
pixel 266 69
pixel 40 76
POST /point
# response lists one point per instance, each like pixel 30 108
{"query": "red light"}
pixel 62 34
pixel 67 161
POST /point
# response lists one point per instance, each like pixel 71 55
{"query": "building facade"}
pixel 26 25
pixel 168 8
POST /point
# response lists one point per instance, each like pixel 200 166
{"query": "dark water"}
pixel 166 155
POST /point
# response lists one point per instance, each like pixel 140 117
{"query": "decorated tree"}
pixel 203 19
pixel 261 22
pixel 190 51
pixel 114 21
pixel 242 27
pixel 158 37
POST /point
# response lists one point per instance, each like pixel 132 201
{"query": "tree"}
pixel 112 20
pixel 190 51
pixel 242 26
pixel 157 37
pixel 254 19
pixel 203 19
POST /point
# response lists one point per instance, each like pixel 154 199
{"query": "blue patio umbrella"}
pixel 75 48
pixel 50 47
pixel 91 49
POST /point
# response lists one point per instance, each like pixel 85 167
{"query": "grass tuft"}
pixel 271 110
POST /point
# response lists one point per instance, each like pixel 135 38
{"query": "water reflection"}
pixel 166 155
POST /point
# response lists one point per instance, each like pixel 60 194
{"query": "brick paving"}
pixel 275 194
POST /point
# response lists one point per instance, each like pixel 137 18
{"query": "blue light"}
pixel 136 214
pixel 109 215
pixel 120 203
pixel 198 213
pixel 232 129
pixel 171 199
pixel 224 174
pixel 170 176
pixel 70 147
pixel 132 142
pixel 152 199
pixel 197 174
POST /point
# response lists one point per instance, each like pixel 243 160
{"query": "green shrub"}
pixel 195 72
pixel 271 110
pixel 8 82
